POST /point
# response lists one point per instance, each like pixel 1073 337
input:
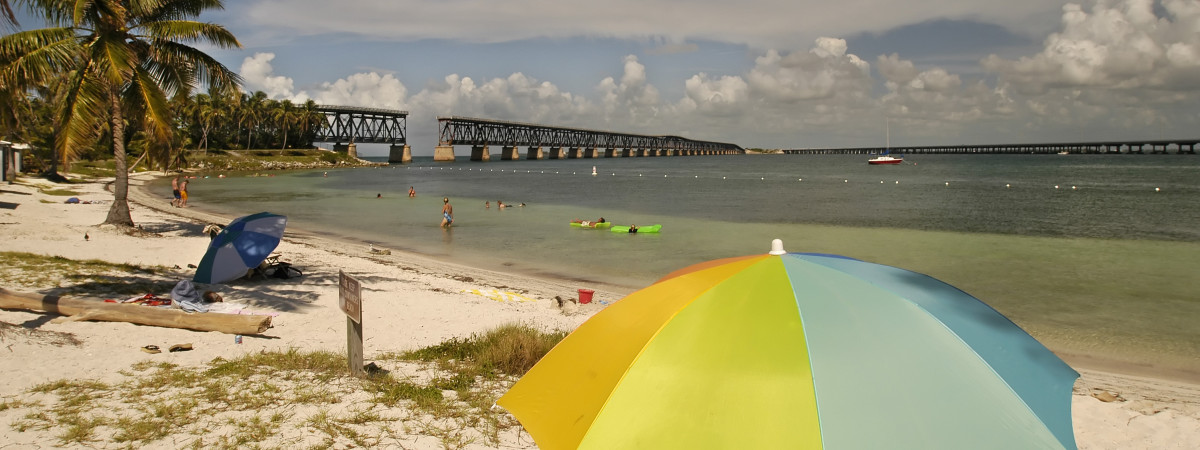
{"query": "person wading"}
pixel 447 212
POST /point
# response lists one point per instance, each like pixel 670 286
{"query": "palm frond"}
pixel 81 115
pixel 191 31
pixel 204 68
pixel 119 60
pixel 30 58
pixel 182 9
pixel 149 95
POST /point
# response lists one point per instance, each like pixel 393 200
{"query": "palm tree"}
pixel 309 119
pixel 284 114
pixel 116 56
pixel 253 115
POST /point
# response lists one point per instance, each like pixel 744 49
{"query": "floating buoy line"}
pixel 734 179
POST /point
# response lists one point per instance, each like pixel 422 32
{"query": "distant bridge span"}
pixel 1180 146
pixel 561 142
pixel 345 126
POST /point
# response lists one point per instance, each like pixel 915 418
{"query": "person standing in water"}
pixel 412 192
pixel 447 212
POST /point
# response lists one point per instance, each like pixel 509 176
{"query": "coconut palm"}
pixel 284 115
pixel 118 57
pixel 309 119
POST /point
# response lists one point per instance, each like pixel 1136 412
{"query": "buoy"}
pixel 947 183
pixel 1155 189
pixel 880 181
pixel 845 181
pixel 1007 185
pixel 898 181
pixel 1056 186
pixel 1072 188
pixel 697 176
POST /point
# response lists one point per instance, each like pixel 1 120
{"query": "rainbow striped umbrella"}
pixel 792 350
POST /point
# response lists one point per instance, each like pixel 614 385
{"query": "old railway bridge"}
pixel 345 126
pixel 543 141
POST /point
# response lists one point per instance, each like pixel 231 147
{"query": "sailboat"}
pixel 886 158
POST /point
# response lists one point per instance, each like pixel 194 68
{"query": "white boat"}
pixel 886 158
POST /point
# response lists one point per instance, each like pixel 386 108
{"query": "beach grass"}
pixel 510 349
pixel 258 397
pixel 81 277
pixel 59 192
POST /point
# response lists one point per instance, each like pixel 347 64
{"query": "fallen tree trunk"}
pixel 98 310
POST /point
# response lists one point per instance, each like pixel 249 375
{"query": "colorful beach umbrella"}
pixel 791 350
pixel 244 244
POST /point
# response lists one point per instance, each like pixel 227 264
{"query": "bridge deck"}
pixel 1180 146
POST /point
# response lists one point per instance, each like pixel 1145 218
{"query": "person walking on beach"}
pixel 175 196
pixel 183 194
pixel 447 212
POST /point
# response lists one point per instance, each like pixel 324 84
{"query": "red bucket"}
pixel 585 296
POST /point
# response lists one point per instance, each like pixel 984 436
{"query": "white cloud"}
pixel 258 75
pixel 1116 46
pixel 367 89
pixel 825 71
pixel 633 99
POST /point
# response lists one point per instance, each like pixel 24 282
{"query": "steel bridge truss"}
pixel 471 131
pixel 363 125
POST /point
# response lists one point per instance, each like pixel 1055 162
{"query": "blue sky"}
pixel 758 73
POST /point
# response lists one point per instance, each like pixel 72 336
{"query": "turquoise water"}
pixel 1112 251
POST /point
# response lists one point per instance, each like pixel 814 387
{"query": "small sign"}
pixel 350 296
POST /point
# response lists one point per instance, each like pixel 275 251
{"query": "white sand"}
pixel 408 302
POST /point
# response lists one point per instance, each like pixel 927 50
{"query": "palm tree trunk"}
pixel 118 213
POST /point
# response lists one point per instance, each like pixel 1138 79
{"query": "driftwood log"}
pixel 96 309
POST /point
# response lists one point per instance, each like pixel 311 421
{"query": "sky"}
pixel 757 73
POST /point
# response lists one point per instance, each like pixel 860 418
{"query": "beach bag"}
pixel 283 271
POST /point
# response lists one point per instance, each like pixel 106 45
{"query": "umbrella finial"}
pixel 777 247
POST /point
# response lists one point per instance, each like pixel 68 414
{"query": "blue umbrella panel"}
pixel 244 244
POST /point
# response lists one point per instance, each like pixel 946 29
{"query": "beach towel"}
pixel 187 298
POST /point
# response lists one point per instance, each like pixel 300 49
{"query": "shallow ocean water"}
pixel 1080 250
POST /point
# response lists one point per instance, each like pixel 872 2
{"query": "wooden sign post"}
pixel 350 301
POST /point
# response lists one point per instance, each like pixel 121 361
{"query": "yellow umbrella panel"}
pixel 667 367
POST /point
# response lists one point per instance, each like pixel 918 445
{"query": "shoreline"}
pixel 410 301
pixel 140 193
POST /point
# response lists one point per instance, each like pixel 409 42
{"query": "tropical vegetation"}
pixel 109 69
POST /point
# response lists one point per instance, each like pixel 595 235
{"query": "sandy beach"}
pixel 409 302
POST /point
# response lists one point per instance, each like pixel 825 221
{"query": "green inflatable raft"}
pixel 645 229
